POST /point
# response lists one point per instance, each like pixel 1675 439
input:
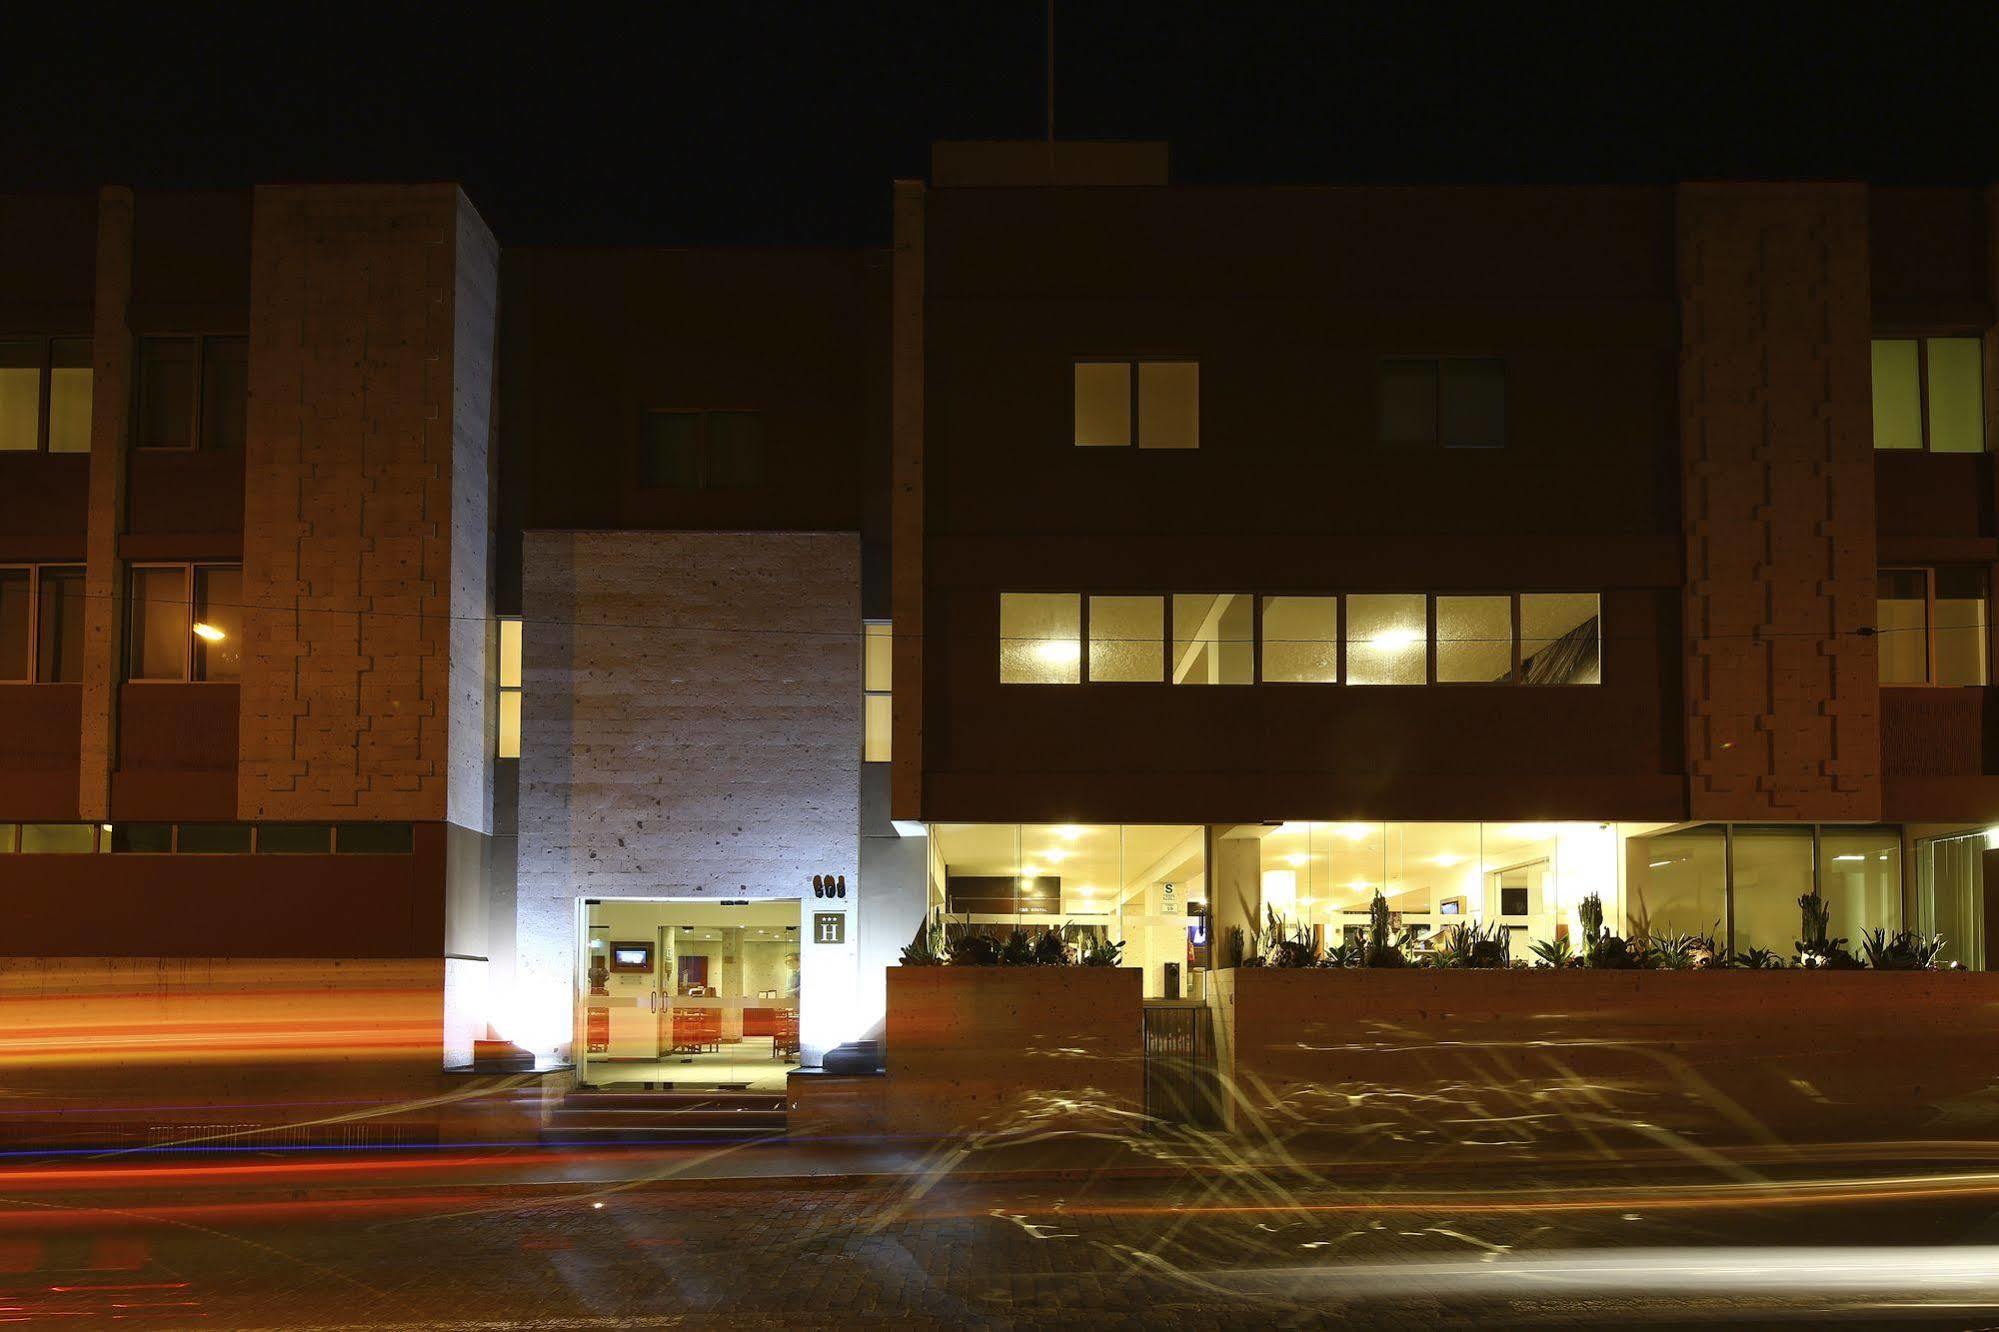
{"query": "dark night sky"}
pixel 785 123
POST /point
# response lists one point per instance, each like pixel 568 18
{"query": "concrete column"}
pixel 110 436
pixel 1235 865
pixel 906 500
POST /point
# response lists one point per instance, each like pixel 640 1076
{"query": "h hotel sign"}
pixel 829 927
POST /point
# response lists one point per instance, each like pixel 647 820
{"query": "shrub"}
pixel 1759 959
pixel 1018 950
pixel 1468 945
pixel 1385 947
pixel 1101 952
pixel 1556 953
pixel 925 949
pixel 1905 951
pixel 1051 949
pixel 1817 952
pixel 969 948
pixel 1293 948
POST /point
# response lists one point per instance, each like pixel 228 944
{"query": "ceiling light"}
pixel 1294 860
pixel 1353 832
pixel 1447 860
pixel 1068 832
pixel 1054 855
pixel 208 632
pixel 1059 651
pixel 1849 857
pixel 1360 883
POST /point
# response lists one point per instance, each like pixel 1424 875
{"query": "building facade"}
pixel 617 653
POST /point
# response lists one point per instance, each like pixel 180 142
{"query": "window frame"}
pixel 1922 338
pixel 702 485
pixel 197 425
pixel 1339 640
pixel 34 569
pixel 868 628
pixel 1929 573
pixel 1513 675
pixel 45 378
pixel 1438 361
pixel 188 568
pixel 502 690
pixel 1137 431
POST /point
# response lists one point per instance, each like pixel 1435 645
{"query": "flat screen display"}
pixel 638 955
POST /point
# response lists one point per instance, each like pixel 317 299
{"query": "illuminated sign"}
pixel 829 927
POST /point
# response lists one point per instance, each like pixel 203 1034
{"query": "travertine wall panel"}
pixel 365 504
pixel 1778 471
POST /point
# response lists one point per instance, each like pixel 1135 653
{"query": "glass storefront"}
pixel 1950 900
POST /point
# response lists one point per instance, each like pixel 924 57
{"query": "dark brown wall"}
pixel 591 339
pixel 176 752
pixel 48 263
pixel 39 728
pixel 226 906
pixel 1928 256
pixel 1289 299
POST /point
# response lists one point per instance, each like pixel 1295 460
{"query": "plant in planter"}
pixel 926 948
pixel 969 948
pixel 1017 951
pixel 1816 951
pixel 1758 959
pixel 1466 945
pixel 1601 949
pixel 1385 947
pixel 1101 952
pixel 1555 953
pixel 1290 948
pixel 1345 953
pixel 1682 951
pixel 1051 949
pixel 1904 951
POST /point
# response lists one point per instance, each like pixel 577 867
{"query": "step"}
pixel 559 1136
pixel 763 1121
pixel 669 1100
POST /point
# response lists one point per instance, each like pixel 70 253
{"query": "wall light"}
pixel 208 632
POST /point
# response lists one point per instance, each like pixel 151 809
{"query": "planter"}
pixel 1518 1062
pixel 994 1047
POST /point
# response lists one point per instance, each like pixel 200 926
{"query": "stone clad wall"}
pixel 366 503
pixel 1778 472
pixel 692 728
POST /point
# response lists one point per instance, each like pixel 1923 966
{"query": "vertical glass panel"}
pixel 1957 397
pixel 1128 639
pixel 877 728
pixel 1103 403
pixel 1163 873
pixel 59 627
pixel 1960 628
pixel 14 593
pixel 1561 639
pixel 1214 638
pixel 1950 896
pixel 734 458
pixel 670 450
pixel 70 382
pixel 158 647
pixel 214 839
pixel 1169 405
pixel 1387 638
pixel 1301 639
pixel 218 622
pixel 1773 869
pixel 1861 876
pixel 8 834
pixel 1474 404
pixel 59 839
pixel 1040 638
pixel 295 839
pixel 1901 626
pixel 1474 640
pixel 1898 395
pixel 145 838
pixel 20 396
pixel 1408 406
pixel 225 393
pixel 373 839
pixel 166 393
pixel 510 725
pixel 1677 883
pixel 510 654
pixel 878 667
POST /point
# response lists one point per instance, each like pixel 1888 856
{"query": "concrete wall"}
pixel 692 730
pixel 1523 1063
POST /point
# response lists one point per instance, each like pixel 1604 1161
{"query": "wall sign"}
pixel 829 927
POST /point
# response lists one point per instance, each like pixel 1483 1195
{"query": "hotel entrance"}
pixel 695 994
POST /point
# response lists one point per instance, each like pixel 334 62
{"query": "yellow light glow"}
pixel 1360 883
pixel 1397 639
pixel 1059 651
pixel 1054 855
pixel 1294 860
pixel 1354 832
pixel 1068 832
pixel 1447 860
pixel 208 632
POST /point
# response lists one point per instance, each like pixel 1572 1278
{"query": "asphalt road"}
pixel 470 1241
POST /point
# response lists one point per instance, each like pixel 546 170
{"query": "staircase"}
pixel 688 1117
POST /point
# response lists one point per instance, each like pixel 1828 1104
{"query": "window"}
pixel 41 624
pixel 1128 639
pixel 1040 638
pixel 1456 401
pixel 1930 625
pixel 1928 395
pixel 1474 639
pixel 510 688
pixel 192 390
pixel 212 839
pixel 1155 403
pixel 701 450
pixel 1214 638
pixel 373 839
pixel 186 623
pixel 1301 640
pixel 1561 638
pixel 45 393
pixel 294 839
pixel 58 839
pixel 877 678
pixel 144 838
pixel 1387 634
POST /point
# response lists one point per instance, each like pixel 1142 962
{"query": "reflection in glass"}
pixel 1677 883
pixel 1387 638
pixel 159 624
pixel 1213 638
pixel 1040 635
pixel 1561 638
pixel 1950 897
pixel 1773 869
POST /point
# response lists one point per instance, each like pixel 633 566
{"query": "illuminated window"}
pixel 510 687
pixel 1301 640
pixel 1928 395
pixel 41 624
pixel 877 682
pixel 45 394
pixel 1155 403
pixel 59 839
pixel 1128 639
pixel 193 391
pixel 1387 638
pixel 1931 627
pixel 1474 639
pixel 701 450
pixel 1213 638
pixel 1561 638
pixel 1040 638
pixel 1456 401
pixel 186 623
